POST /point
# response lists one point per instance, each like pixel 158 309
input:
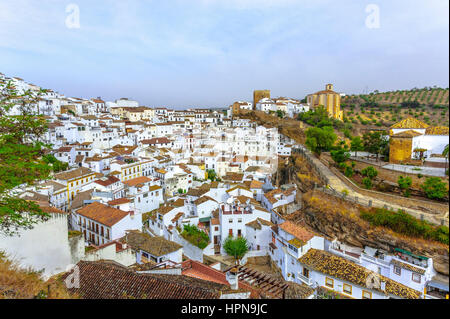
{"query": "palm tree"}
pixel 236 247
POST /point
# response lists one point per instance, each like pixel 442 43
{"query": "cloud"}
pixel 213 51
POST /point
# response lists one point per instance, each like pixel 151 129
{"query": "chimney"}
pixel 232 278
pixel 383 285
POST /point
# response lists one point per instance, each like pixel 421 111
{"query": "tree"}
pixel 370 172
pixel 280 114
pixel 405 183
pixel 340 155
pixel 318 117
pixel 356 145
pixel 367 182
pixel 375 142
pixel 236 247
pixel 211 175
pixel 320 139
pixel 434 188
pixel 21 157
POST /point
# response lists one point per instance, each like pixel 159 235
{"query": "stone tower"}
pixel 258 95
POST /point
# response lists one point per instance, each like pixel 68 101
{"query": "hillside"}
pixel 17 283
pixel 381 110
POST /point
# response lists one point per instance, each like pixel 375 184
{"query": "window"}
pixel 397 270
pixel 306 272
pixel 329 282
pixel 366 295
pixel 230 221
pixel 347 289
pixel 240 220
pixel 416 277
pixel 293 248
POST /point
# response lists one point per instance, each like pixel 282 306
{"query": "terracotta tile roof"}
pixel 156 246
pixel 178 203
pixel 156 140
pixel 106 181
pixel 165 209
pixel 409 133
pixel 338 267
pixel 203 199
pixel 437 130
pixel 78 200
pixel 154 188
pixel 123 149
pixel 78 172
pixel 102 214
pixel 118 201
pixel 407 266
pixel 108 280
pixel 64 149
pixel 296 231
pixel 258 222
pixel 410 122
pixel 137 181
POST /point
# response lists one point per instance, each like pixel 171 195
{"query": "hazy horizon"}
pixel 210 53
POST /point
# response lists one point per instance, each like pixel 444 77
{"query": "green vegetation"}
pixel 195 236
pixel 236 247
pixel 211 175
pixel 21 158
pixel 57 166
pixel 320 139
pixel 434 188
pixel 370 172
pixel 405 183
pixel 348 171
pixel 403 223
pixel 340 156
pixel 376 143
pixel 280 114
pixel 367 182
pixel 356 145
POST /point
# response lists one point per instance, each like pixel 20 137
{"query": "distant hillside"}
pixel 426 96
pixel 383 109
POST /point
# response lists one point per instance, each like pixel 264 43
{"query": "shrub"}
pixel 434 188
pixel 405 183
pixel 349 171
pixel 370 172
pixel 406 224
pixel 367 182
pixel 195 236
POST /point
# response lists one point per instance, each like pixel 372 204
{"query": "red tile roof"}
pixel 109 280
pixel 137 181
pixel 102 214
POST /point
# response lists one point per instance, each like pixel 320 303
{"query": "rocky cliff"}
pixel 335 218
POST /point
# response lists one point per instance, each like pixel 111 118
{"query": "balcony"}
pixel 306 280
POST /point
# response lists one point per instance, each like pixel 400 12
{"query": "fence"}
pixel 317 165
pixel 369 203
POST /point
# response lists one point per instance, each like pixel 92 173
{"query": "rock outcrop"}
pixel 334 218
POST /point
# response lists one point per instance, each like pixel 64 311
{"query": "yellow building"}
pixel 259 95
pixel 329 99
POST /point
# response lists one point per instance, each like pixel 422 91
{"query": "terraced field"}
pixel 430 105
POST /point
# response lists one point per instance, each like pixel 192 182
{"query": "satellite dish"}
pixel 230 200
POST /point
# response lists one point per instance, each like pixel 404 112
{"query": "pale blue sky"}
pixel 210 53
